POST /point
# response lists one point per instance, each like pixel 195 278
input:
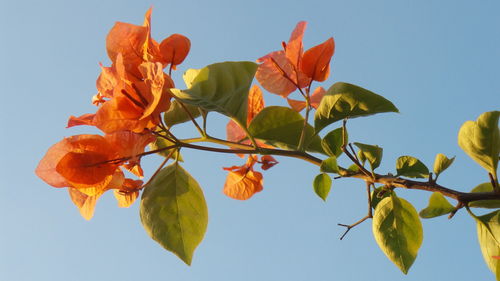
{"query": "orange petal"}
pixel 46 169
pixel 316 61
pixel 277 74
pixel 125 199
pixel 85 203
pixel 294 48
pixel 85 119
pixel 154 80
pixel 242 184
pixel 255 103
pixel 316 96
pixel 86 163
pixel 174 49
pixel 296 105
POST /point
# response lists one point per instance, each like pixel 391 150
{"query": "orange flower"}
pixel 135 44
pixel 134 104
pixel 283 72
pixel 88 166
pixel 134 90
pixel 243 182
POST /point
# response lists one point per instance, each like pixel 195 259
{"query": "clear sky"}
pixel 436 60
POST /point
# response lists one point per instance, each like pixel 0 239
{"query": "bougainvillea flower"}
pixel 315 99
pixel 136 45
pixel 89 165
pixel 136 104
pixel 243 182
pixel 282 72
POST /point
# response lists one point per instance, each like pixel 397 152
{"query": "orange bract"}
pixel 88 166
pixel 316 61
pixel 174 49
pixel 283 72
pixel 316 97
pixel 243 182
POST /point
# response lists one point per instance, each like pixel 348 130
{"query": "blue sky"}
pixel 436 60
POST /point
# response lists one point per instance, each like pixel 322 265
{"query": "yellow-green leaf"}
pixel 329 165
pixel 332 142
pixel 322 184
pixel 480 139
pixel 442 163
pixel 221 87
pixel 372 153
pixel 176 114
pixel 398 231
pixel 488 233
pixel 343 100
pixel 438 206
pixel 411 167
pixel 490 204
pixel 281 126
pixel 174 212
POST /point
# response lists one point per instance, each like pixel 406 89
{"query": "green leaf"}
pixel 398 231
pixel 322 184
pixel 438 206
pixel 480 139
pixel 345 100
pixel 281 127
pixel 442 163
pixel 488 232
pixel 411 167
pixel 177 115
pixel 372 153
pixel 378 194
pixel 221 87
pixel 329 165
pixel 490 204
pixel 161 143
pixel 174 212
pixel 332 142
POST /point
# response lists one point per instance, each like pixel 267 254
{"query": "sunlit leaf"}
pixel 398 231
pixel 442 163
pixel 322 184
pixel 480 139
pixel 174 212
pixel 221 87
pixel 490 204
pixel 345 100
pixel 488 233
pixel 378 194
pixel 332 142
pixel 411 167
pixel 329 165
pixel 371 153
pixel 438 206
pixel 281 127
pixel 176 114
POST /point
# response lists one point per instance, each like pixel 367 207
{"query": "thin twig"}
pixel 349 227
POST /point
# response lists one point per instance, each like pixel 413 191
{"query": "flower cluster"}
pixel 132 93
